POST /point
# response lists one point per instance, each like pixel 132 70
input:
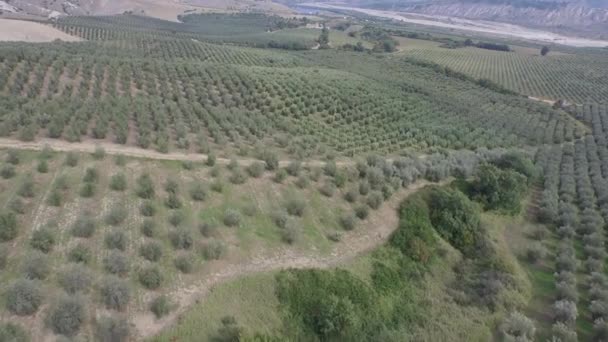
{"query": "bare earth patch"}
pixel 28 31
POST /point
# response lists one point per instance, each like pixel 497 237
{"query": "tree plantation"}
pixel 249 175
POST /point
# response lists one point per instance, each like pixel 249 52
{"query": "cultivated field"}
pixel 246 177
pixel 28 31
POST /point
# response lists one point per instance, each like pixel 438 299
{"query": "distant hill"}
pixel 583 17
pixel 165 9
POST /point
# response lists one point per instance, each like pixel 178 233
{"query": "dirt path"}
pixel 132 151
pixel 372 233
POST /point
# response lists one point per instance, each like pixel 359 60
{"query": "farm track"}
pixel 380 224
pixel 135 152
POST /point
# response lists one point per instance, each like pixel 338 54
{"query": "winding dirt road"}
pixel 371 234
pixel 133 151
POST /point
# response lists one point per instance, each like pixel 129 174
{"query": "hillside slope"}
pixel 164 9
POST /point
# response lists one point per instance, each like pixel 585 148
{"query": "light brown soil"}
pixel 28 31
pixel 375 232
pixel 89 146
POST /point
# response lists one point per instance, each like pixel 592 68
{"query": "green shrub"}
pixel 42 167
pixel 271 160
pixel 13 157
pixel 330 169
pixel 66 316
pixel 115 293
pixel 147 209
pixel 499 189
pixel 17 206
pixel 71 159
pixel 518 163
pixel 198 192
pixel 289 234
pixel 120 160
pixel 80 254
pixel 75 278
pixel 26 189
pixel 211 159
pixel 334 236
pixel 7 171
pixel 295 206
pixel 90 175
pixel 161 306
pixel 8 226
pixel 116 263
pixel 43 240
pixel 36 266
pixel 232 218
pixel 238 176
pixel 171 186
pixel 364 188
pixel 23 297
pixel 118 182
pixel 362 212
pixel 116 239
pixel 280 218
pixel 217 186
pixel 302 182
pixel 351 196
pixel 188 165
pixel 415 236
pixel 374 200
pixel 3 256
pixel 207 229
pixel 117 215
pixel 229 331
pixel 280 176
pixel 334 305
pixel 348 222
pixel 148 228
pixel 151 251
pixel 455 218
pixel 340 179
pixel 173 202
pixel 293 169
pixel 150 277
pixel 99 153
pixel 145 187
pixel 84 226
pixel 112 329
pixel 10 332
pixel 181 238
pixel 87 190
pixel 184 263
pixel 328 189
pixel 55 199
pixel 256 169
pixel 213 250
pixel 176 218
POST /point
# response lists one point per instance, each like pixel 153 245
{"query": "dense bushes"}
pixel 499 189
pixel 43 240
pixel 8 226
pixel 23 297
pixel 13 333
pixel 115 293
pixel 455 218
pixel 331 304
pixel 75 278
pixel 67 316
pixel 415 235
pixel 112 329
